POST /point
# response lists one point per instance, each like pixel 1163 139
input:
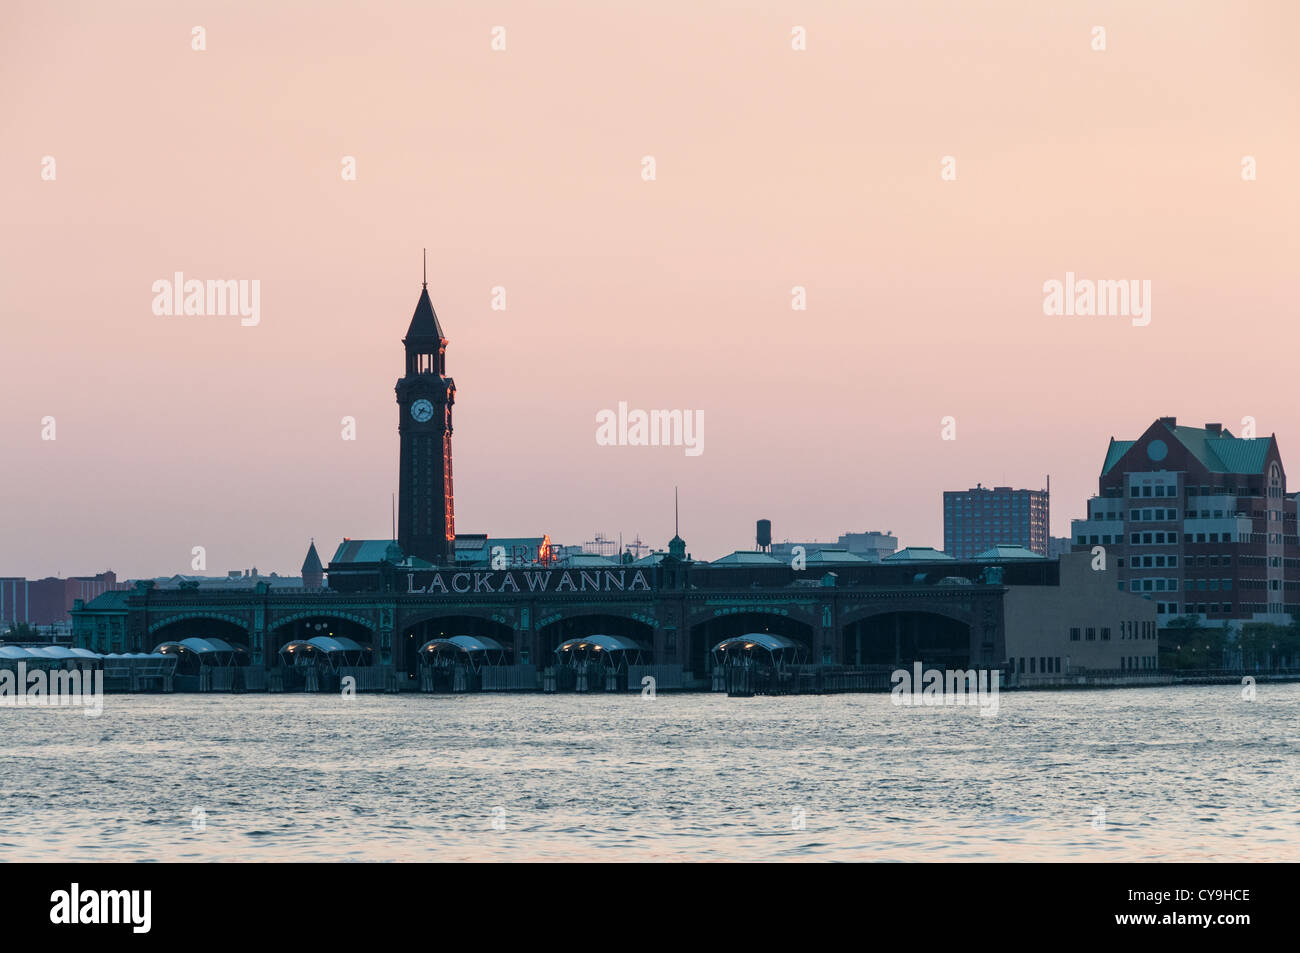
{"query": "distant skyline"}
pixel 522 169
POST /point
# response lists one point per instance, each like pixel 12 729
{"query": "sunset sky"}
pixel 522 168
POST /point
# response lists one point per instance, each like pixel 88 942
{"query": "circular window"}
pixel 1157 450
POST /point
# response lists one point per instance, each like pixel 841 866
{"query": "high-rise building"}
pixel 48 601
pixel 1199 522
pixel 980 518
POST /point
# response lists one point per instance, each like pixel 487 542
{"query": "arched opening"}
pixel 705 635
pixel 194 654
pixel 900 638
pixel 557 633
pixel 459 663
pixel 342 647
pixel 422 631
pixel 211 654
pixel 332 627
pixel 201 627
pixel 596 652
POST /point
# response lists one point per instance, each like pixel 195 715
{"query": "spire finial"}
pixel 677 523
pixel 426 268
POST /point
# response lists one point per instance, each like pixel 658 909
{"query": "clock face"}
pixel 421 411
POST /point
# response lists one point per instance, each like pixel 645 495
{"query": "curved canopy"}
pixel 464 643
pixel 602 643
pixel 327 644
pixel 195 645
pixel 63 653
pixel 208 645
pixel 764 640
pixel 51 651
pixel 335 643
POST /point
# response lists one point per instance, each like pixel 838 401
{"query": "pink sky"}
pixel 523 169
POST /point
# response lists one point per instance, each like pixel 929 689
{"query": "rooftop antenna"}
pixel 677 522
pixel 426 268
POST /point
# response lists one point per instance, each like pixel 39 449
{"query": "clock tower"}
pixel 426 523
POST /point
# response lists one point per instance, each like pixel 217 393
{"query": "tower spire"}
pixel 676 545
pixel 424 516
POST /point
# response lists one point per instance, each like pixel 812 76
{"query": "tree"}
pixel 21 632
pixel 1190 645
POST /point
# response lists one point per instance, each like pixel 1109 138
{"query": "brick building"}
pixel 979 519
pixel 48 601
pixel 1199 522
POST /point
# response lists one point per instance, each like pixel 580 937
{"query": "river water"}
pixel 1173 773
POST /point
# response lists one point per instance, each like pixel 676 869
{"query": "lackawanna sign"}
pixel 521 582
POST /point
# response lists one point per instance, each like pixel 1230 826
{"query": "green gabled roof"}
pixel 831 556
pixel 1202 444
pixel 1218 452
pixel 1240 455
pixel 918 554
pixel 374 551
pixel 1007 551
pixel 114 599
pixel 361 551
pixel 1116 450
pixel 742 557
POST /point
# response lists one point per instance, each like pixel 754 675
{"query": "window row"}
pixel 1153 516
pixel 1131 662
pixel 1043 665
pixel 1160 489
pixel 1158 561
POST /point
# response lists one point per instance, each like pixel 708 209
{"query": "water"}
pixel 1191 774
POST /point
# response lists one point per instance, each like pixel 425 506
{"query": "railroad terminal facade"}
pixel 1007 608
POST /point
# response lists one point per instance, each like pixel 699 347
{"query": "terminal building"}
pixel 397 607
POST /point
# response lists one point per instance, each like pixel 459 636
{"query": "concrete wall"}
pixel 1039 620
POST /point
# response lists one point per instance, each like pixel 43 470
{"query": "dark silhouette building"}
pixel 426 522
